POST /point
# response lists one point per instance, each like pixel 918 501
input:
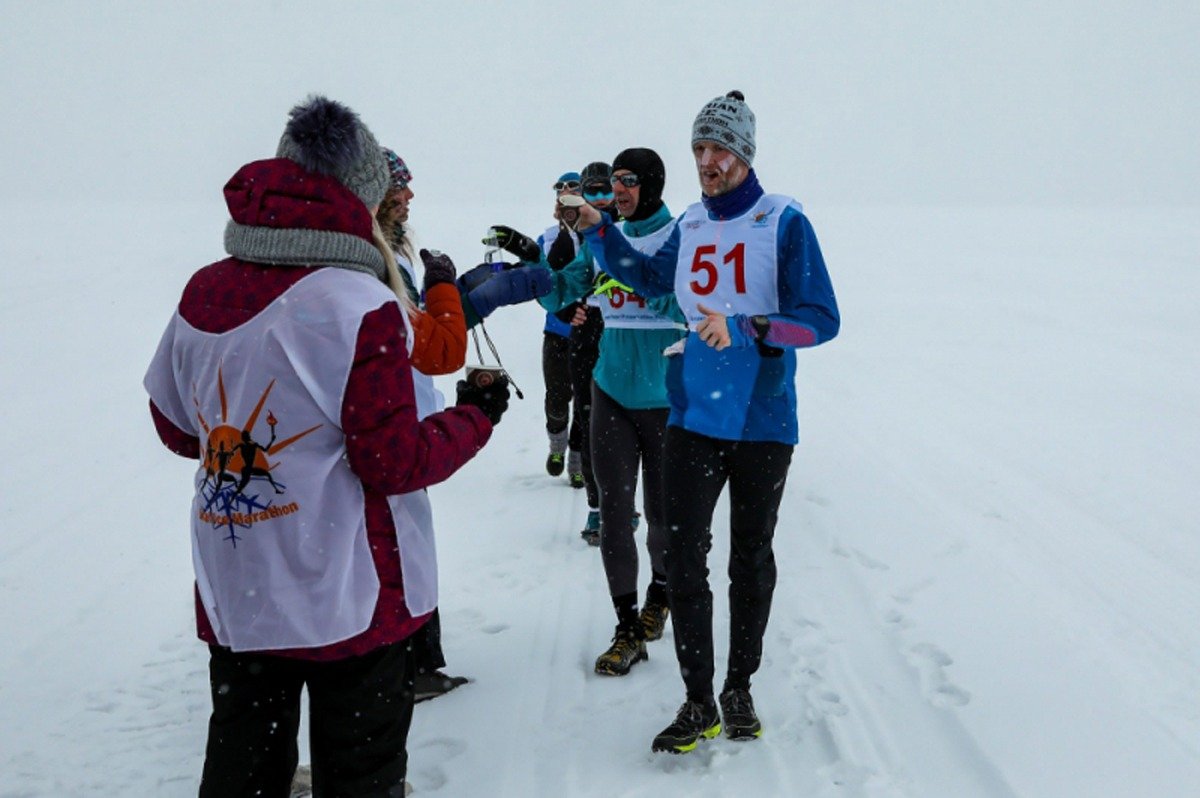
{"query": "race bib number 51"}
pixel 707 273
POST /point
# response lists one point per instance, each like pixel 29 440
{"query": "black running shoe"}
pixel 694 722
pixel 737 709
pixel 555 463
pixel 435 683
pixel 627 649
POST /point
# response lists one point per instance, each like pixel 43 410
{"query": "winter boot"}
pixel 575 469
pixel 737 707
pixel 435 683
pixel 556 460
pixel 627 649
pixel 694 722
pixel 302 782
pixel 591 530
pixel 653 619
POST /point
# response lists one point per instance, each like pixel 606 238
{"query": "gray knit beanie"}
pixel 326 137
pixel 729 122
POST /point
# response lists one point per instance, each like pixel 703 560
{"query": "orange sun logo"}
pixel 234 464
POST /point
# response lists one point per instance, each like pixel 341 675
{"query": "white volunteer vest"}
pixel 730 265
pixel 627 310
pixel 279 540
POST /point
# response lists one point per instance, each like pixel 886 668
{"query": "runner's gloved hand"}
pixel 476 276
pixel 562 250
pixel 438 268
pixel 605 284
pixel 492 400
pixel 509 287
pixel 514 242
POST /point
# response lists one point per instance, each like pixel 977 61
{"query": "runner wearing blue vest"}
pixel 748 274
pixel 564 428
pixel 571 284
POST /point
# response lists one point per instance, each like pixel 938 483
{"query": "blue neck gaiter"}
pixel 736 202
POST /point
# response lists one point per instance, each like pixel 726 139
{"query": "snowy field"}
pixel 988 549
pixel 989 552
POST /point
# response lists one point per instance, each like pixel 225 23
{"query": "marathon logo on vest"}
pixel 237 471
pixel 762 218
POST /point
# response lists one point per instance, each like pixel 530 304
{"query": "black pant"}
pixel 585 351
pixel 427 654
pixel 360 710
pixel 620 439
pixel 699 468
pixel 556 373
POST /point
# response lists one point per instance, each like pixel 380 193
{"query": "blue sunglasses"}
pixel 597 190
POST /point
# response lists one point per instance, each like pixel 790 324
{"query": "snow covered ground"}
pixel 988 549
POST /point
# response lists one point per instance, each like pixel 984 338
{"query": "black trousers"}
pixel 360 710
pixel 556 373
pixel 427 654
pixel 698 470
pixel 621 440
pixel 585 351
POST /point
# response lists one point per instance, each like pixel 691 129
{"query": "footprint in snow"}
pixel 931 663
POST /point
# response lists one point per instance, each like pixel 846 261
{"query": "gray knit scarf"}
pixel 292 246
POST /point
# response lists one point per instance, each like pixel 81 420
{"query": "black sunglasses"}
pixel 629 180
pixel 597 189
pixel 566 185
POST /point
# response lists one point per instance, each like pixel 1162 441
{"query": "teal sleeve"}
pixel 571 283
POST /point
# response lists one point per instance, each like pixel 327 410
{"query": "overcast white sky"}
pixel 1067 103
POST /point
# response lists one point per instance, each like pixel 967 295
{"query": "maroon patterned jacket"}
pixel 387 447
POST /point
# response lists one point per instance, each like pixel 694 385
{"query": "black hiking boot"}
pixel 737 709
pixel 695 721
pixel 435 683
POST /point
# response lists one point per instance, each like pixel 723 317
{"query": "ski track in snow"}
pixel 836 669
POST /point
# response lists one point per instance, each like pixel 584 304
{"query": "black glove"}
pixel 514 243
pixel 492 400
pixel 562 250
pixel 438 268
pixel 566 314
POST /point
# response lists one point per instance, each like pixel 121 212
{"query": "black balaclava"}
pixel 652 177
pixel 596 172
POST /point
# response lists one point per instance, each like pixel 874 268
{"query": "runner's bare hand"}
pixel 713 328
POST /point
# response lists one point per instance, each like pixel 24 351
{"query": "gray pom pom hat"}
pixel 326 137
pixel 729 122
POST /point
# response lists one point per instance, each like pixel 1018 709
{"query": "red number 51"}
pixel 700 265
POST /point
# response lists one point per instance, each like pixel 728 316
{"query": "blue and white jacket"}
pixel 746 392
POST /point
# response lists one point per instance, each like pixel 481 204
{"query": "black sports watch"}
pixel 762 325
